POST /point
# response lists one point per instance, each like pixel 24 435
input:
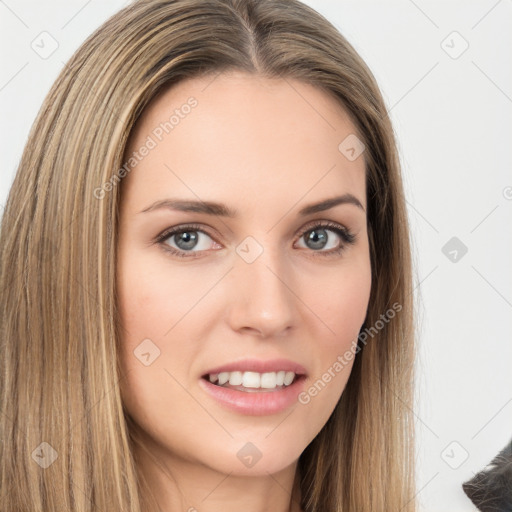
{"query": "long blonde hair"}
pixel 60 378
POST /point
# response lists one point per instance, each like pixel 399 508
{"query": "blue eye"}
pixel 320 238
pixel 323 238
pixel 186 239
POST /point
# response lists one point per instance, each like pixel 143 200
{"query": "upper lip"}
pixel 259 366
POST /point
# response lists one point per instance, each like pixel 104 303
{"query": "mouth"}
pixel 253 382
pixel 255 387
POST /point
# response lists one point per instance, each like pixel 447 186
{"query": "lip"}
pixel 259 366
pixel 257 403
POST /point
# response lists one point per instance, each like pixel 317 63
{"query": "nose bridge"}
pixel 263 299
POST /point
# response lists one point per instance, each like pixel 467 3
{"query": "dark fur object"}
pixel 491 489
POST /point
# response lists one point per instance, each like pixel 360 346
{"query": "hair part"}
pixel 60 329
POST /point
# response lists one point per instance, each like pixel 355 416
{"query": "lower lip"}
pixel 255 403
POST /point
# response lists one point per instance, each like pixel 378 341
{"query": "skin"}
pixel 267 148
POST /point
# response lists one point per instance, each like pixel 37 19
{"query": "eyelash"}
pixel 345 235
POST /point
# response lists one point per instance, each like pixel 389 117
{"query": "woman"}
pixel 205 270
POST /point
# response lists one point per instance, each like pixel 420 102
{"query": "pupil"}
pixel 318 237
pixel 186 240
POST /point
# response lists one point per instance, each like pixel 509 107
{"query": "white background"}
pixel 453 121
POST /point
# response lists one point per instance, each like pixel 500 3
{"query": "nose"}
pixel 261 297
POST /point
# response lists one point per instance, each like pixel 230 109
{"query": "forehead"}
pixel 244 139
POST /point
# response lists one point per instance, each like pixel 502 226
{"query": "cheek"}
pixel 151 303
pixel 154 297
pixel 341 304
pixel 349 306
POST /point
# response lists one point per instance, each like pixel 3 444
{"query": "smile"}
pixel 255 387
pixel 253 381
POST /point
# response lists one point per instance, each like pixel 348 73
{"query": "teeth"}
pixel 235 378
pixel 268 380
pixel 223 378
pixel 254 380
pixel 288 378
pixel 251 380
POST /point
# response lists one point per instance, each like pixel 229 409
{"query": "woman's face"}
pixel 254 291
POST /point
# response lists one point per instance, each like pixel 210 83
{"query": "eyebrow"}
pixel 212 208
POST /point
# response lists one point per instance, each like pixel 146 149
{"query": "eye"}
pixel 323 238
pixel 186 239
pixel 327 238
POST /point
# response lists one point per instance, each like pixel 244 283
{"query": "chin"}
pixel 240 457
